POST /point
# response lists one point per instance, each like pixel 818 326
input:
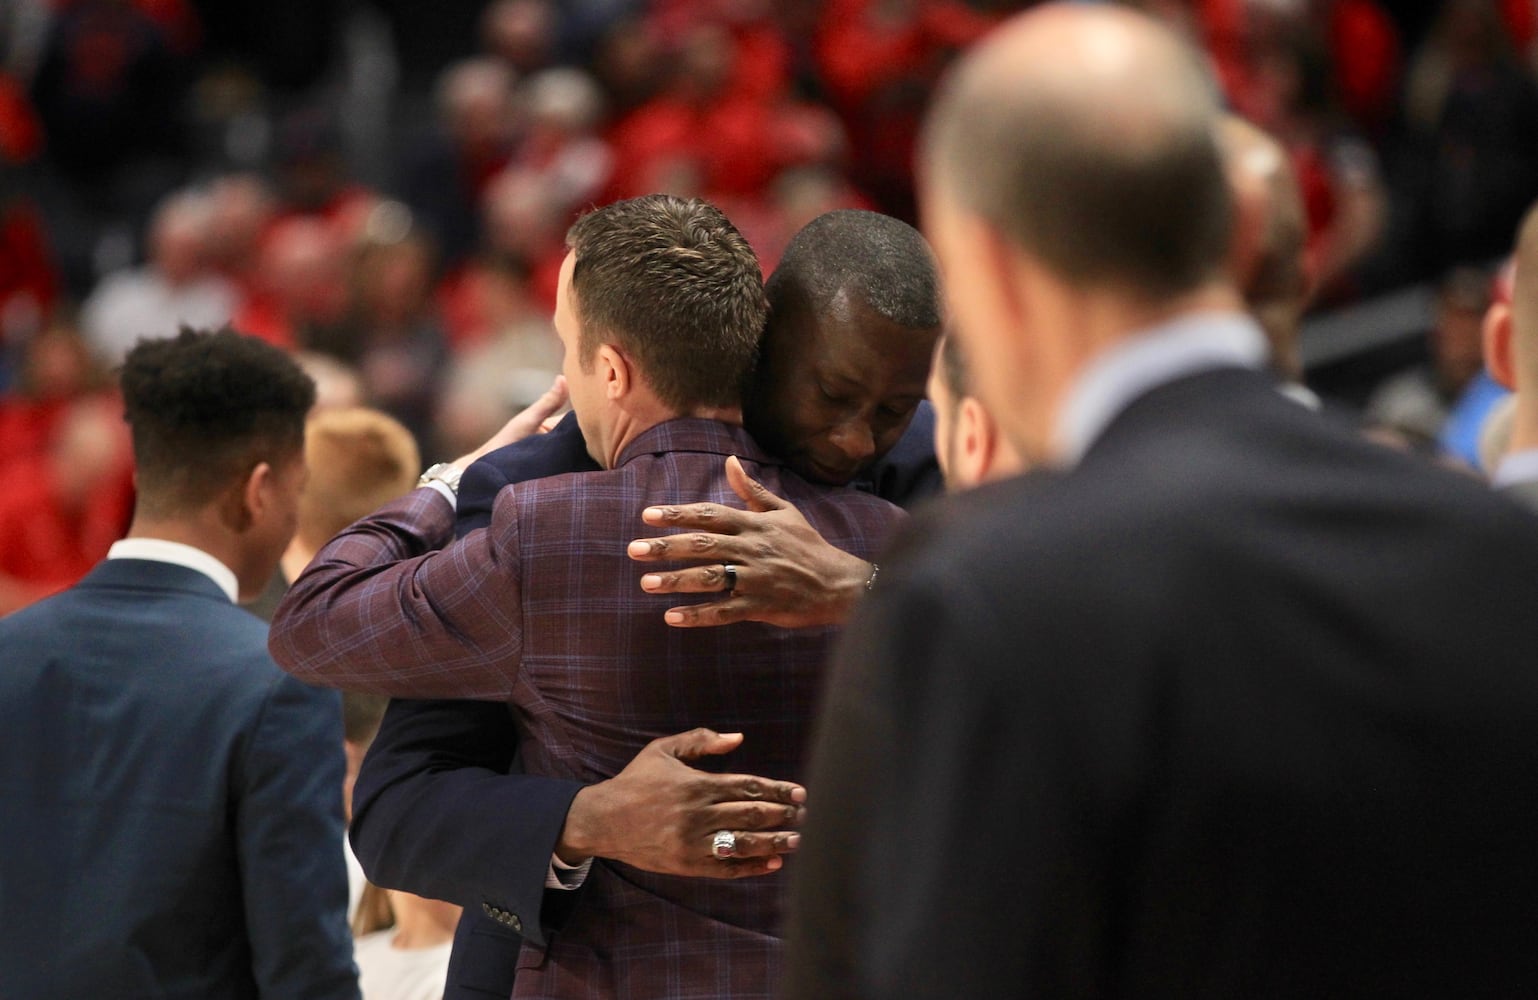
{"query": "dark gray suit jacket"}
pixel 170 801
pixel 1242 705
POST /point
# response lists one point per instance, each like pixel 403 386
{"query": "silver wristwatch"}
pixel 444 472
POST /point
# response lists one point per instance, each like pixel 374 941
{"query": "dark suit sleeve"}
pixel 288 825
pixel 436 813
pixel 561 451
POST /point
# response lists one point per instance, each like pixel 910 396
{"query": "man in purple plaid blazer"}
pixel 659 309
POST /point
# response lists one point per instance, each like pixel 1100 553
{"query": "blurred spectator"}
pixel 393 334
pixel 699 126
pixel 403 944
pixel 879 60
pixel 1444 402
pixel 1365 59
pixel 1288 92
pixel 338 386
pixel 1266 254
pixel 311 171
pixel 1471 166
pixel 29 285
pixel 561 147
pixel 359 460
pixel 526 232
pixel 450 168
pixel 629 64
pixel 560 167
pixel 56 370
pixel 176 287
pixel 63 508
pixel 242 207
pixel 490 381
pixel 299 295
pixel 521 33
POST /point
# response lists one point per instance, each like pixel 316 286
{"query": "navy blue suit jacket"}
pixel 436 810
pixel 170 801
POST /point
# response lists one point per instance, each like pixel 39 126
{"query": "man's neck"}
pixel 194 530
pixel 1091 326
pixel 634 421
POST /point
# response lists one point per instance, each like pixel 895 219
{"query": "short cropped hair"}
pixel 204 409
pixel 880 261
pixel 360 459
pixel 1143 206
pixel 674 284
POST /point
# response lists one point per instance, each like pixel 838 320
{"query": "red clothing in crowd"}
pixel 45 547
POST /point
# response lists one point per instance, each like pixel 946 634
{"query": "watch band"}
pixel 444 472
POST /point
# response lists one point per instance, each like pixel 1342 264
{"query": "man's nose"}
pixel 855 439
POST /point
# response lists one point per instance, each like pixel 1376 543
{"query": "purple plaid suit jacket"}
pixel 544 609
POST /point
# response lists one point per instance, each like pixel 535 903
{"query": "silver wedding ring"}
pixel 729 573
pixel 723 845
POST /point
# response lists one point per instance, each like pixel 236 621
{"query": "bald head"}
pixel 1270 232
pixel 1086 135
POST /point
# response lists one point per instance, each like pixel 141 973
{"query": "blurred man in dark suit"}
pixel 1220 699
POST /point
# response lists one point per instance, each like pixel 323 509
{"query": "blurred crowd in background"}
pixel 384 186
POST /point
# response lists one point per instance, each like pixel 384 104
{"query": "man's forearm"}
pixel 380 611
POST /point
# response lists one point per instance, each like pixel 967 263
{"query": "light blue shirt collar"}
pixel 160 550
pixel 1143 361
pixel 1518 467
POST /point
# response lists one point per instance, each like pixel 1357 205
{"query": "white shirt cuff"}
pixel 564 876
pixel 443 490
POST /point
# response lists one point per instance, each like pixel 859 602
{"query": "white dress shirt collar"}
pixel 1518 467
pixel 160 550
pixel 1189 344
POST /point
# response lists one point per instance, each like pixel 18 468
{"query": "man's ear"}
pixel 246 499
pixel 618 374
pixel 1500 352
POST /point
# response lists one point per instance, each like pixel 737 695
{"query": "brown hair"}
pixel 672 283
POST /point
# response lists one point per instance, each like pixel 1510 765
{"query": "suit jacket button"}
pixel 486 908
pixel 516 924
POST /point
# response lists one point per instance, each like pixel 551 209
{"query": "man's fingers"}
pixel 702 516
pixel 753 493
pixel 697 743
pixel 547 405
pixel 757 803
pixel 760 844
pixel 531 419
pixel 707 579
pixel 693 545
pixel 723 612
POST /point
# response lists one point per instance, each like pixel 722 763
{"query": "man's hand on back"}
pixel 660 815
pixel 786 574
